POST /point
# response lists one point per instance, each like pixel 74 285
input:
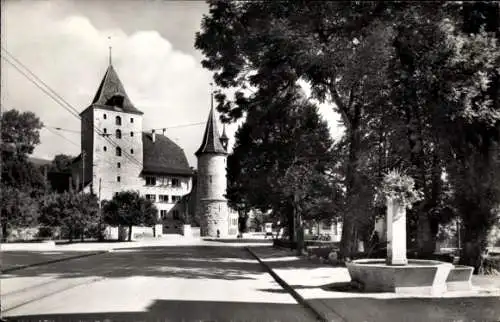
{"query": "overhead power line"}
pixel 62 136
pixel 61 129
pixel 143 131
pixel 60 101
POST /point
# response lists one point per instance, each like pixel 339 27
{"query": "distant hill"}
pixel 39 162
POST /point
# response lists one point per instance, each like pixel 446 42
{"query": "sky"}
pixel 66 44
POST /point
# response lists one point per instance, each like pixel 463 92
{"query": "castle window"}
pixel 131 120
pixel 118 151
pixel 104 116
pixel 116 100
pixel 163 198
pixel 163 214
pixel 118 120
pixel 176 183
pixel 175 214
pixel 151 197
pixel 118 179
pixel 150 181
pixel 131 151
pixel 176 198
pixel 104 131
pixel 105 149
pixel 118 165
pixel 131 133
pixel 118 134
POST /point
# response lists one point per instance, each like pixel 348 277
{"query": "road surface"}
pixel 182 283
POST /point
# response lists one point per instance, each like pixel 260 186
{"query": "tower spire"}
pixel 212 96
pixel 211 139
pixel 110 51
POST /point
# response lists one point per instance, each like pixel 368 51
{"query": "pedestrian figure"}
pixel 218 233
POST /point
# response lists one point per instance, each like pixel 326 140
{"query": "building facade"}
pixel 117 155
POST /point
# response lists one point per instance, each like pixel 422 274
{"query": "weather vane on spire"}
pixel 110 48
pixel 211 95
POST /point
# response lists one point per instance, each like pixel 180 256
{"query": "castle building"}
pixel 117 155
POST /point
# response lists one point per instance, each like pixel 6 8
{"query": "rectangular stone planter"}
pixel 459 278
pixel 418 277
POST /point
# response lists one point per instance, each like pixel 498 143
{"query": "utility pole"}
pixel 83 170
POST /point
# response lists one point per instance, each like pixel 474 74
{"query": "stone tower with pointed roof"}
pixel 211 204
pixel 111 140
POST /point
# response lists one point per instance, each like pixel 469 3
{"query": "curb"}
pixel 12 269
pixel 319 315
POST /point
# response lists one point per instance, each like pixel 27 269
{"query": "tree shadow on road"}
pixel 191 262
pixel 175 310
pixel 413 309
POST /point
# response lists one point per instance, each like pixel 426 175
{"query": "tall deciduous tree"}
pixel 20 131
pixel 342 49
pixel 415 91
pixel 280 134
pixel 20 135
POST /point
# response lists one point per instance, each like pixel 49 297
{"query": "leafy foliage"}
pixel 416 85
pixel 18 209
pixel 61 163
pixel 74 212
pixel 399 187
pixel 128 208
pixel 21 131
pixel 283 141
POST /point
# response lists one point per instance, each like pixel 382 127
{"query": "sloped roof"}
pixel 163 156
pixel 109 87
pixel 211 139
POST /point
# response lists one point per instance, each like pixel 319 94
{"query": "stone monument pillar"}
pixel 396 233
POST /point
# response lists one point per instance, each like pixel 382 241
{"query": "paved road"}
pixel 187 283
pixel 15 259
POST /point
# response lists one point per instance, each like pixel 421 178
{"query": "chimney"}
pixel 164 132
pixel 153 135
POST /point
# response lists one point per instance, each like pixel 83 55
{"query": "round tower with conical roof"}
pixel 211 204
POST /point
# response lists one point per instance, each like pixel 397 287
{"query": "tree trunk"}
pixel 474 248
pixel 130 233
pixel 348 242
pixel 424 237
pixel 5 233
pixel 298 226
pixel 291 229
pixel 82 236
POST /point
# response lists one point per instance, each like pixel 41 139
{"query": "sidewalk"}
pixel 325 289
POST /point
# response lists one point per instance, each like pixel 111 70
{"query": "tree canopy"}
pixel 61 163
pixel 128 208
pixel 279 136
pixel 74 212
pixel 415 84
